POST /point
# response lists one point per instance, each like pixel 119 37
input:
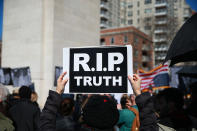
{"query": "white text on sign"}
pixel 82 59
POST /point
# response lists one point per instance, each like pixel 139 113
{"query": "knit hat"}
pixel 25 92
pixel 100 112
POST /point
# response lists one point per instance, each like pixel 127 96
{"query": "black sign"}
pixel 98 70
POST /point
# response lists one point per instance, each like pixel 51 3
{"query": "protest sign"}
pixel 98 69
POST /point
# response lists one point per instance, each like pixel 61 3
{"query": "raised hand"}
pixel 61 83
pixel 135 82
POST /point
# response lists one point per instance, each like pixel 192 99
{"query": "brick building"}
pixel 141 43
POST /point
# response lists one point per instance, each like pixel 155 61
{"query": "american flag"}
pixel 158 77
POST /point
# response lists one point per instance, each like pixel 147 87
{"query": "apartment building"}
pixel 160 19
pixel 141 43
pixel 109 13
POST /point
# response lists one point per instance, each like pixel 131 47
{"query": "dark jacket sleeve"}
pixel 48 115
pixel 36 119
pixel 148 119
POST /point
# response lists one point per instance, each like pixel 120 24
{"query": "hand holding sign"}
pixel 61 83
pixel 135 82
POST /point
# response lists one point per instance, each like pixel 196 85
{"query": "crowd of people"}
pixel 168 110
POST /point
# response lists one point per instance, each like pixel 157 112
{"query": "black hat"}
pixel 100 112
pixel 25 92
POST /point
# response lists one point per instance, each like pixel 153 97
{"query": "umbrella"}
pixel 184 45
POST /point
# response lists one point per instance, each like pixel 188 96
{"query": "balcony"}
pixel 161 12
pixel 104 5
pixel 161 22
pixel 159 4
pixel 160 40
pixel 160 31
pixel 160 57
pixel 186 15
pixel 161 49
pixel 103 25
pixel 104 15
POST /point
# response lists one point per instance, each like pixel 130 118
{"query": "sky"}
pixel 1 18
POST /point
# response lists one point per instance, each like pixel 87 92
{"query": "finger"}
pixel 138 77
pixel 130 79
pixel 65 81
pixel 62 76
pixel 135 76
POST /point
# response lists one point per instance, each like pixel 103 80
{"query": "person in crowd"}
pixel 5 123
pixel 34 98
pixel 128 113
pixel 24 113
pixel 99 112
pixel 3 93
pixel 169 108
pixel 65 121
pixel 12 99
pixel 192 109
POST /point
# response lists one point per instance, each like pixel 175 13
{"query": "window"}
pixel 136 53
pixel 138 4
pixel 138 20
pixel 130 22
pixel 130 13
pixel 130 5
pixel 147 19
pixel 135 65
pixel 144 53
pixel 138 12
pixel 145 64
pixel 136 40
pixel 149 10
pixel 122 21
pixel 125 39
pixel 102 41
pixel 112 40
pixel 147 1
pixel 147 27
pixel 110 23
pixel 122 4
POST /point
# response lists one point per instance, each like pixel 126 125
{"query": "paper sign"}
pixel 98 69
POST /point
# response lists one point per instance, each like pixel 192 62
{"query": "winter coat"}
pixel 48 120
pixel 25 115
pixel 5 123
pixel 176 121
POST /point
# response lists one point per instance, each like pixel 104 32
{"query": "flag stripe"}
pixel 160 70
pixel 148 77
